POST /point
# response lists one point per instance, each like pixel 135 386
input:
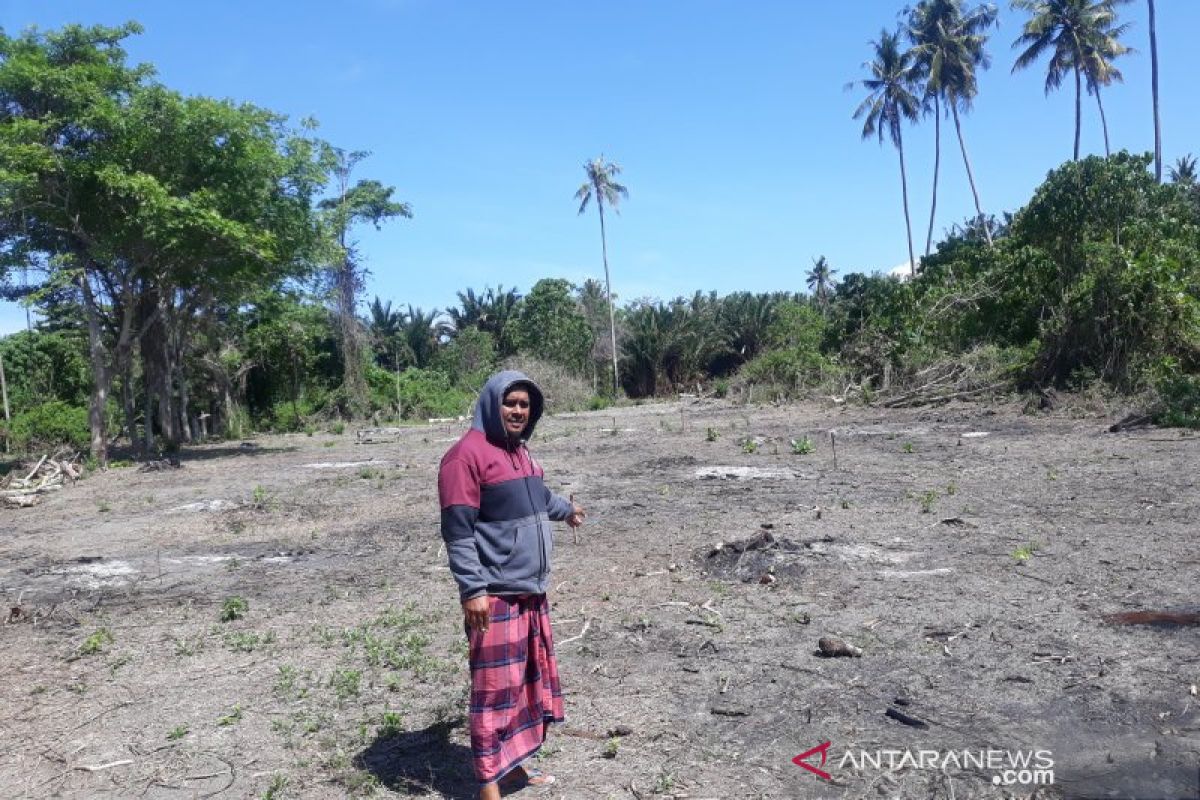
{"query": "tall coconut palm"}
pixel 1081 38
pixel 1154 91
pixel 890 101
pixel 602 186
pixel 820 280
pixel 948 50
pixel 1101 48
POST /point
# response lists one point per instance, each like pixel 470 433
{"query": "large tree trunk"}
pixel 129 405
pixel 612 316
pixel 100 374
pixel 962 145
pixel 156 372
pixel 912 261
pixel 937 163
pixel 1154 92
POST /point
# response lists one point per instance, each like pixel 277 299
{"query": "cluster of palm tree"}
pixel 408 338
pixel 936 74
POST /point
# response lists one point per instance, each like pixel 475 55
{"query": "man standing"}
pixel 496 514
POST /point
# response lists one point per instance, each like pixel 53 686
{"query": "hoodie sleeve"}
pixel 558 507
pixel 458 491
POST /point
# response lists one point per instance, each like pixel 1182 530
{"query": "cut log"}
pixel 21 500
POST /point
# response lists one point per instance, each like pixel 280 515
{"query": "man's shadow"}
pixel 417 762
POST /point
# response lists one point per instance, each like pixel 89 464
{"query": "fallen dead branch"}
pixel 48 474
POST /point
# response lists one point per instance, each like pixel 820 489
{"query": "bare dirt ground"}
pixel 971 552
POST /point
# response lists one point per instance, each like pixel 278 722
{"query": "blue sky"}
pixel 730 120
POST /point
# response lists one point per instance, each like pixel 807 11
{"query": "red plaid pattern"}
pixel 514 685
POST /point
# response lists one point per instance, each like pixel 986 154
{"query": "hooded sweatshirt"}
pixel 496 509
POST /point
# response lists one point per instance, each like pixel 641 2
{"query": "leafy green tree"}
pixel 551 326
pixel 948 50
pixel 365 201
pixel 890 102
pixel 601 185
pixel 793 358
pixel 468 359
pixel 1081 38
pixel 61 97
pixel 40 367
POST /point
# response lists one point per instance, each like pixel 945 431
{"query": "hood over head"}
pixel 487 407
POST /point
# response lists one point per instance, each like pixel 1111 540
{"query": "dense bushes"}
pixel 51 425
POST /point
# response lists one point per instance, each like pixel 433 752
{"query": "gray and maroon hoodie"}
pixel 496 510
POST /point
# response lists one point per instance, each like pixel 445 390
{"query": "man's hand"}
pixel 577 515
pixel 477 613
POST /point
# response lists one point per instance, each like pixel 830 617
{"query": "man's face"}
pixel 514 411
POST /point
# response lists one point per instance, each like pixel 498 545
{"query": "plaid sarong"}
pixel 514 685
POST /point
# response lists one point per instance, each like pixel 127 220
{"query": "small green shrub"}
pixel 232 718
pixel 1025 551
pixel 599 402
pixel 337 428
pixel 96 642
pixel 390 724
pixel 802 446
pixel 234 608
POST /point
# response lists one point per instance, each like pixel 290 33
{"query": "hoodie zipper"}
pixel 532 507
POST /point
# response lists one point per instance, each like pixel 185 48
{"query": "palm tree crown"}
pixel 601 184
pixel 820 280
pixel 949 49
pixel 890 101
pixel 1081 38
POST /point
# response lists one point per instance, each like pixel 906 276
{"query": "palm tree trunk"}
pixel 937 163
pixel 1154 91
pixel 962 145
pixel 1078 113
pixel 612 317
pixel 912 261
pixel 1103 122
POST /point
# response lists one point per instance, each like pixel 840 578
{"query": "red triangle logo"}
pixel 801 760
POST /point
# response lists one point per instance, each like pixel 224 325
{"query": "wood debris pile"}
pixel 23 488
pixel 945 381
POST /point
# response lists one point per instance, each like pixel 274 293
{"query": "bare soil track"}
pixel 972 553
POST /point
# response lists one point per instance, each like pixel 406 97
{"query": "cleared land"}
pixel 971 552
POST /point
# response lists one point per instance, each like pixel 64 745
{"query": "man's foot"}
pixel 526 776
